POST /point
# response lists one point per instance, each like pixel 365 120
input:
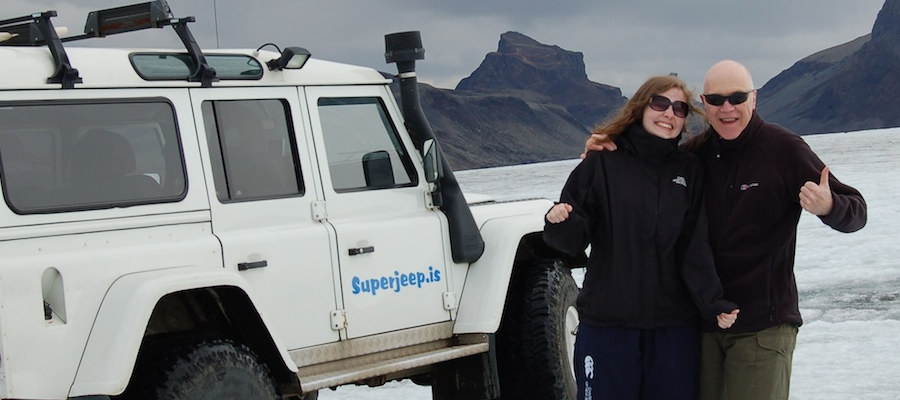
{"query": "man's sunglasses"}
pixel 661 104
pixel 734 98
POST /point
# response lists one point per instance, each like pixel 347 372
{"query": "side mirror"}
pixel 377 169
pixel 432 162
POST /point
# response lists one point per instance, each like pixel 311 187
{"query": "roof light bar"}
pixel 111 21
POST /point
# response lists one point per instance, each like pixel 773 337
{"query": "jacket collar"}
pixel 742 141
pixel 637 140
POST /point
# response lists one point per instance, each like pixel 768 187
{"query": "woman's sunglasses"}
pixel 661 104
pixel 734 98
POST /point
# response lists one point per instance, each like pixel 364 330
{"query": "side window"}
pixel 252 147
pixel 61 156
pixel 363 149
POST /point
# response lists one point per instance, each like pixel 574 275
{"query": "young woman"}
pixel 650 274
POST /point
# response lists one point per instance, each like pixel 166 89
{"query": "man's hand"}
pixel 598 142
pixel 816 198
pixel 558 213
pixel 725 321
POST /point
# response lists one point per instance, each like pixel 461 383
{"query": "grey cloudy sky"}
pixel 623 42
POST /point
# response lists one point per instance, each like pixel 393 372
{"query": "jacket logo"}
pixel 680 181
pixel 749 185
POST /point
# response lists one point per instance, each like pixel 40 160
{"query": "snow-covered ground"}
pixel 849 346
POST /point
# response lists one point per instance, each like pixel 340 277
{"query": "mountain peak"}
pixel 524 64
pixel 511 40
pixel 521 62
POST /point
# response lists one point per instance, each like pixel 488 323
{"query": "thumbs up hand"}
pixel 816 197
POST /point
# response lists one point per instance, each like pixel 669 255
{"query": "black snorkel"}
pixel 466 243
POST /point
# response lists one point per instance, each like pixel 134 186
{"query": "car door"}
pixel 263 182
pixel 391 245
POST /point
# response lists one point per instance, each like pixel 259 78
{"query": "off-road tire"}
pixel 535 340
pixel 201 370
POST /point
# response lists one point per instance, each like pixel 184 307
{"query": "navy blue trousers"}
pixel 637 364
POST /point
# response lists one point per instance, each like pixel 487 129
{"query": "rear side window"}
pixel 168 66
pixel 252 147
pixel 62 156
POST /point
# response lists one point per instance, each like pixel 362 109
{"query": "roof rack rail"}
pixel 37 30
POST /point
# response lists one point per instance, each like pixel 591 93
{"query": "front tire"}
pixel 205 370
pixel 535 342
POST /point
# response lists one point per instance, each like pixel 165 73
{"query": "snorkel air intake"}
pixel 466 243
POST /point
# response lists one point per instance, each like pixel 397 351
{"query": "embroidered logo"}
pixel 679 180
pixel 749 185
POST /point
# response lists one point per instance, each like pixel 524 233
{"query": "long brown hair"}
pixel 633 111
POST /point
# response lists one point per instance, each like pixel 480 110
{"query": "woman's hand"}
pixel 725 321
pixel 558 213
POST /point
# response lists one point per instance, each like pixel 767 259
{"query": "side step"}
pixel 357 369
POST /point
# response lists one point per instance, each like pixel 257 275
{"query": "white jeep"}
pixel 250 224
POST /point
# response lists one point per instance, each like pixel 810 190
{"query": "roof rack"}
pixel 37 30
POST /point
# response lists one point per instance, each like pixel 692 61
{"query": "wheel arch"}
pixel 509 242
pixel 125 321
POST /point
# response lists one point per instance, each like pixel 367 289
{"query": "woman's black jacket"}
pixel 641 210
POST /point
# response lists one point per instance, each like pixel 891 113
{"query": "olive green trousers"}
pixel 747 366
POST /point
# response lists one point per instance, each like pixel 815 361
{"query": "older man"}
pixel 759 176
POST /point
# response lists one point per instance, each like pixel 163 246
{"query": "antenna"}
pixel 216 22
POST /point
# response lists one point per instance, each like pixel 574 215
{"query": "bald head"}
pixel 727 76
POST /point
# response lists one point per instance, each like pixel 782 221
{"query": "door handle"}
pixel 361 250
pixel 250 265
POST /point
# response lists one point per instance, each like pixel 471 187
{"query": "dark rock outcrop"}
pixel 521 63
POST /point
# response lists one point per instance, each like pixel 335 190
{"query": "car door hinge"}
pixel 430 200
pixel 319 212
pixel 338 320
pixel 450 302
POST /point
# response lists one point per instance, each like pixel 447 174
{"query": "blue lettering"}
pixel 375 286
pixel 420 277
pixel 394 283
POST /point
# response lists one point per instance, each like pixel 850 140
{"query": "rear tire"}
pixel 535 342
pixel 205 370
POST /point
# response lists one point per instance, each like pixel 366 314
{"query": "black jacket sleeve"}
pixel 574 234
pixel 849 213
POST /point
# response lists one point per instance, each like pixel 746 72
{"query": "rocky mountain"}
pixel 527 102
pixel 521 63
pixel 852 86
